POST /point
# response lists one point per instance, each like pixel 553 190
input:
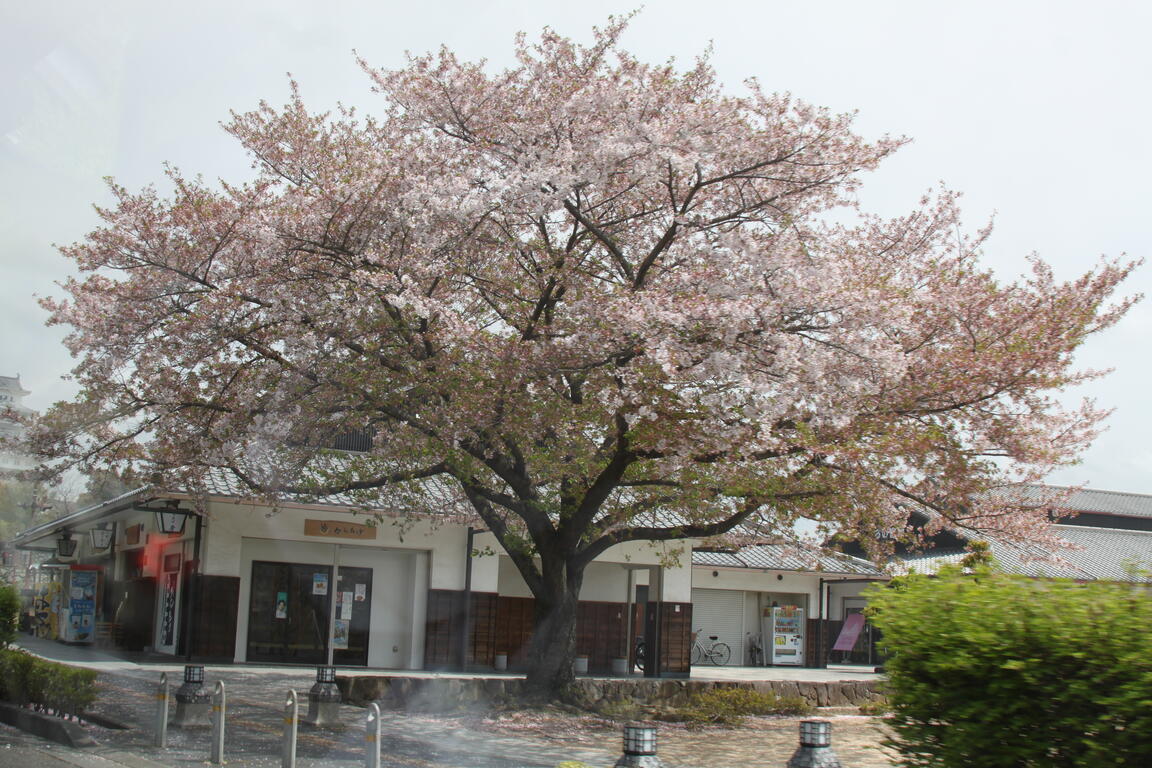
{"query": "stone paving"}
pixel 480 740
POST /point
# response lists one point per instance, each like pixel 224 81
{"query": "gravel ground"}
pixel 519 739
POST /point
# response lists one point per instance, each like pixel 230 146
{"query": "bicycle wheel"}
pixel 697 652
pixel 641 657
pixel 720 654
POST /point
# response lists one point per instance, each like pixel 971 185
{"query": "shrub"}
pixel 624 710
pixel 988 670
pixel 9 613
pixel 729 706
pixel 46 685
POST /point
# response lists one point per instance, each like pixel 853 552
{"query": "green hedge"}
pixel 45 685
pixel 988 670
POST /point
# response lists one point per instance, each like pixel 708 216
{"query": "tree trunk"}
pixel 552 648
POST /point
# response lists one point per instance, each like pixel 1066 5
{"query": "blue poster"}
pixel 81 607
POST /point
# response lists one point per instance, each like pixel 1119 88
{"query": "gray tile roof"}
pixel 221 482
pixel 786 557
pixel 1086 499
pixel 1097 554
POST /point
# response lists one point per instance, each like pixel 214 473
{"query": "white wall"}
pixel 228 524
pixel 836 592
pixel 754 580
pixel 606 578
pixel 808 584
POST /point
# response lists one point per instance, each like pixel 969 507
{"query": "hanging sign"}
pixel 340 529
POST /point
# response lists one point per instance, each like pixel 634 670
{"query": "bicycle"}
pixel 641 655
pixel 755 651
pixel 716 652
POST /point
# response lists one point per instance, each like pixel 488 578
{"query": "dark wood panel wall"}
pixel 816 643
pixel 504 625
pixel 215 619
pixel 601 633
pixel 676 629
pixel 445 611
pixel 513 630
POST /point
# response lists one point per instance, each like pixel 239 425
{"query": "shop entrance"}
pixel 290 608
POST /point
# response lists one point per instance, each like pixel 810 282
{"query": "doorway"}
pixel 289 614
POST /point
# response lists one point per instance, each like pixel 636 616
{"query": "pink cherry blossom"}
pixel 585 300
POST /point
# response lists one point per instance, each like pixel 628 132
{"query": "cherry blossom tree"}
pixel 584 301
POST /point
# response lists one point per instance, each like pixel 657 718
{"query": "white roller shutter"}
pixel 720 612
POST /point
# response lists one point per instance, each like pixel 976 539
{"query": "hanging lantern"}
pixel 171 519
pixel 102 536
pixel 66 545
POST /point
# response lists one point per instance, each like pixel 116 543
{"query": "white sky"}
pixel 1037 111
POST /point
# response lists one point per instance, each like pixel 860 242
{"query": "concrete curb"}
pixel 45 726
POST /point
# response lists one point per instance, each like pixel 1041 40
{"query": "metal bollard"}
pixel 372 737
pixel 291 712
pixel 815 746
pixel 639 748
pixel 219 709
pixel 161 739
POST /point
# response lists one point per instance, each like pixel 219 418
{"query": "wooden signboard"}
pixel 340 529
pixel 132 534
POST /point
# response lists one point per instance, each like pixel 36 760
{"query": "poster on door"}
pixel 340 634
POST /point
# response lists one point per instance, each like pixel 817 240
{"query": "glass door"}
pixel 288 613
pixel 353 620
pixel 289 609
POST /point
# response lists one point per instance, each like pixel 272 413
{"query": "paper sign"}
pixel 319 583
pixel 340 634
pixel 281 605
pixel 346 605
pixel 361 591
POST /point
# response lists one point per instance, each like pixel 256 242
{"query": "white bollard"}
pixel 161 739
pixel 291 719
pixel 372 737
pixel 219 709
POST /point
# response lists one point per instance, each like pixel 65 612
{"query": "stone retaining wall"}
pixel 453 693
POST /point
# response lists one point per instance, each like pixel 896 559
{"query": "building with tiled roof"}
pixel 1108 536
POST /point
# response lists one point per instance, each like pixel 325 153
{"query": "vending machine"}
pixel 78 602
pixel 786 635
